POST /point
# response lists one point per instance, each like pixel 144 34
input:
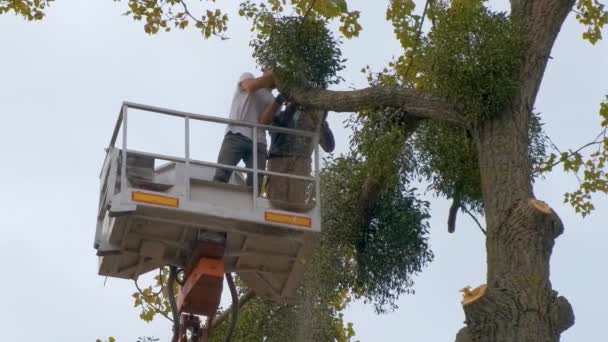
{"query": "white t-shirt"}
pixel 246 107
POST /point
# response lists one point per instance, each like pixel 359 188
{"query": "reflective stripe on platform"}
pixel 296 220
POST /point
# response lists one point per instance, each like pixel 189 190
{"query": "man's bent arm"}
pixel 267 115
pixel 251 85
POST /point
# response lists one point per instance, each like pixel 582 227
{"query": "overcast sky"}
pixel 62 81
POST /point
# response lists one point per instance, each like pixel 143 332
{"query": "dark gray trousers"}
pixel 235 148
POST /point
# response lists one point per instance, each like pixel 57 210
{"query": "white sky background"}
pixel 61 84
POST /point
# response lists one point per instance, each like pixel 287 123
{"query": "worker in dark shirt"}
pixel 291 154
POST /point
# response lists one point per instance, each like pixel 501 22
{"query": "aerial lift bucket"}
pixel 150 216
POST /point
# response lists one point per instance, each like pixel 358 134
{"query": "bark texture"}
pixel 415 103
pixel 520 304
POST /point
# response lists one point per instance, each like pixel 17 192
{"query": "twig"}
pixel 242 301
pixel 554 145
pixel 304 18
pixel 235 307
pixel 200 22
pixel 409 66
pixel 308 11
pixel 190 14
pixel 578 12
pixel 171 295
pixel 476 221
pixel 159 310
pixel 154 294
pixel 596 141
pixel 577 151
pixel 599 149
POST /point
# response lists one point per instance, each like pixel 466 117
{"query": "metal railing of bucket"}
pixel 122 122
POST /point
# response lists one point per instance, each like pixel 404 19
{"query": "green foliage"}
pixel 594 16
pixel 28 9
pixel 393 248
pixel 538 141
pixel 447 157
pixel 386 248
pixel 591 169
pixel 378 139
pixel 153 300
pixel 375 262
pixel 261 11
pixel 472 58
pixel 167 14
pixel 110 339
pixel 405 23
pixel 313 317
pixel 300 50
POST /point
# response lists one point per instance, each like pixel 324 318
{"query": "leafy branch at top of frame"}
pixel 262 13
pixel 168 14
pixel 29 9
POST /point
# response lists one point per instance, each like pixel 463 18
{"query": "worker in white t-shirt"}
pixel 251 97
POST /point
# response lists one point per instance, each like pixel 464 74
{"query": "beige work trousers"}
pixel 288 193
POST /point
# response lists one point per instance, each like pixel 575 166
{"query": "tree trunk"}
pixel 519 304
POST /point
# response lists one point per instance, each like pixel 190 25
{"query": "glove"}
pixel 280 98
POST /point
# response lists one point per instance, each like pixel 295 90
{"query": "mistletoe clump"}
pixel 473 57
pixel 379 256
pixel 301 50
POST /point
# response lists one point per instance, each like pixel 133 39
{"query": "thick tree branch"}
pixel 503 141
pixel 476 221
pixel 542 21
pixel 547 13
pixel 415 103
